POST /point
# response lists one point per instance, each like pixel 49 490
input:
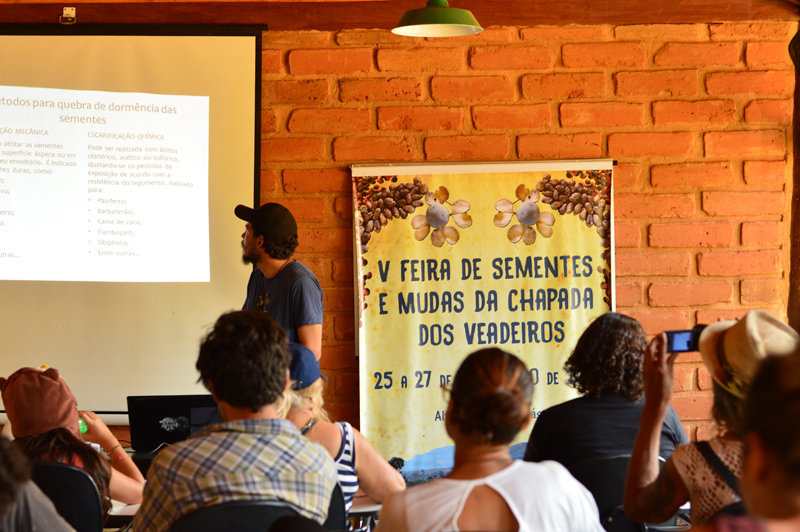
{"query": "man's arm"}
pixel 311 337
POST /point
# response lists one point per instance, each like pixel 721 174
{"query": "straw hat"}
pixel 732 349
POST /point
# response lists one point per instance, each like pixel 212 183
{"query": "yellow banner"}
pixel 455 258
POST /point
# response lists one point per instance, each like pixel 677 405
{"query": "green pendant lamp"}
pixel 437 19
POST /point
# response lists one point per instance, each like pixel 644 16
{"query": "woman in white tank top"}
pixel 489 405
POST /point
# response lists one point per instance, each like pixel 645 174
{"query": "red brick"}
pixel 319 267
pixel 337 299
pixel 338 357
pixel 422 118
pixel 739 262
pixel 691 175
pixel 380 89
pixel 268 181
pixel 760 291
pixel 296 38
pixel 306 209
pixel 577 146
pixel 769 111
pixel 627 235
pixel 653 205
pixel 374 149
pixel 343 269
pixel 346 383
pixel 608 54
pixel 626 175
pixel 341 61
pixel 684 378
pixel 745 144
pixel 660 320
pixel 344 411
pixel 652 263
pixel 343 206
pixel 310 91
pixel 765 172
pixel 563 33
pixel 691 235
pixel 704 380
pixel 269 121
pixel 317 180
pixel 511 116
pixel 629 294
pixel 660 32
pixel 690 294
pixel 649 144
pixel 510 58
pixel 761 233
pixel 474 88
pixel 696 55
pixel 475 147
pixel 271 61
pixel 294 149
pixel 715 314
pixel 704 112
pixel 658 83
pixel 421 59
pixel 707 431
pixel 742 203
pixel 693 406
pixel 329 120
pixel 758 31
pixel 601 114
pixel 371 37
pixel 764 54
pixel 563 86
pixel 344 328
pixel 762 83
pixel 496 34
pixel 322 240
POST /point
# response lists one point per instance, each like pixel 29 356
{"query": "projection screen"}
pixel 122 156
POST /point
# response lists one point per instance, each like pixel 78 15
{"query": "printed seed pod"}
pixel 383 219
pixel 403 214
pixel 556 204
pixel 601 231
pixel 562 209
pixel 605 243
pixel 395 212
pixel 408 208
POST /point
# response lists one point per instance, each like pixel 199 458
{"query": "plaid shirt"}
pixel 252 459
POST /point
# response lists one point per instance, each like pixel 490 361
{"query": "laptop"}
pixel 156 420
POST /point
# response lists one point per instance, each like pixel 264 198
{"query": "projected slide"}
pixel 101 186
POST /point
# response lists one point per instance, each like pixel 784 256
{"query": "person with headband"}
pixel 697 472
pixel 44 420
pixel 279 285
pixel 490 403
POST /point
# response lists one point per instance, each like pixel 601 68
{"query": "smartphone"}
pixel 682 341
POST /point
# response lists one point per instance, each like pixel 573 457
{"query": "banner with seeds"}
pixel 452 258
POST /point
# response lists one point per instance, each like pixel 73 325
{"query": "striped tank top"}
pixel 346 464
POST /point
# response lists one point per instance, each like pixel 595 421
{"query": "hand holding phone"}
pixel 685 340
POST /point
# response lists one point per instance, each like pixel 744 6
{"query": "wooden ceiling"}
pixel 328 15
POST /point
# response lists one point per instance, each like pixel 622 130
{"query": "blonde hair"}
pixel 310 396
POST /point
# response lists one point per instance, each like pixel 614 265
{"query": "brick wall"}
pixel 698 116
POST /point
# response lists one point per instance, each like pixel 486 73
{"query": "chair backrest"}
pixel 337 514
pixel 605 478
pixel 241 516
pixel 73 492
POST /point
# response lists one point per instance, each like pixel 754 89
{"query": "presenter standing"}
pixel 280 285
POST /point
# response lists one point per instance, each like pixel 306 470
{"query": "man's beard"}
pixel 249 258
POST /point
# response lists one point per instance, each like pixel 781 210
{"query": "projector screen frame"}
pixel 117 416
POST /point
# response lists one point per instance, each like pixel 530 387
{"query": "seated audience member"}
pixel 606 368
pixel 44 421
pixel 252 454
pixel 731 351
pixel 770 481
pixel 489 404
pixel 357 461
pixel 23 507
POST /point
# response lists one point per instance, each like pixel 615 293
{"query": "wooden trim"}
pixel 793 304
pixel 334 15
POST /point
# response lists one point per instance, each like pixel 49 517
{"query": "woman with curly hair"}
pixel 606 368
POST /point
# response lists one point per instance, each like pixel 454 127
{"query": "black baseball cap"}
pixel 273 221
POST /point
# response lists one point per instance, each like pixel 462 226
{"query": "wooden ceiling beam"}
pixel 334 15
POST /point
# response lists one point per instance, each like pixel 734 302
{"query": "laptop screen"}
pixel 165 419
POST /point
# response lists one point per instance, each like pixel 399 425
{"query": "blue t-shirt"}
pixel 293 297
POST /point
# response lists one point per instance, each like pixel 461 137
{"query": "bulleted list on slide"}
pixel 101 186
